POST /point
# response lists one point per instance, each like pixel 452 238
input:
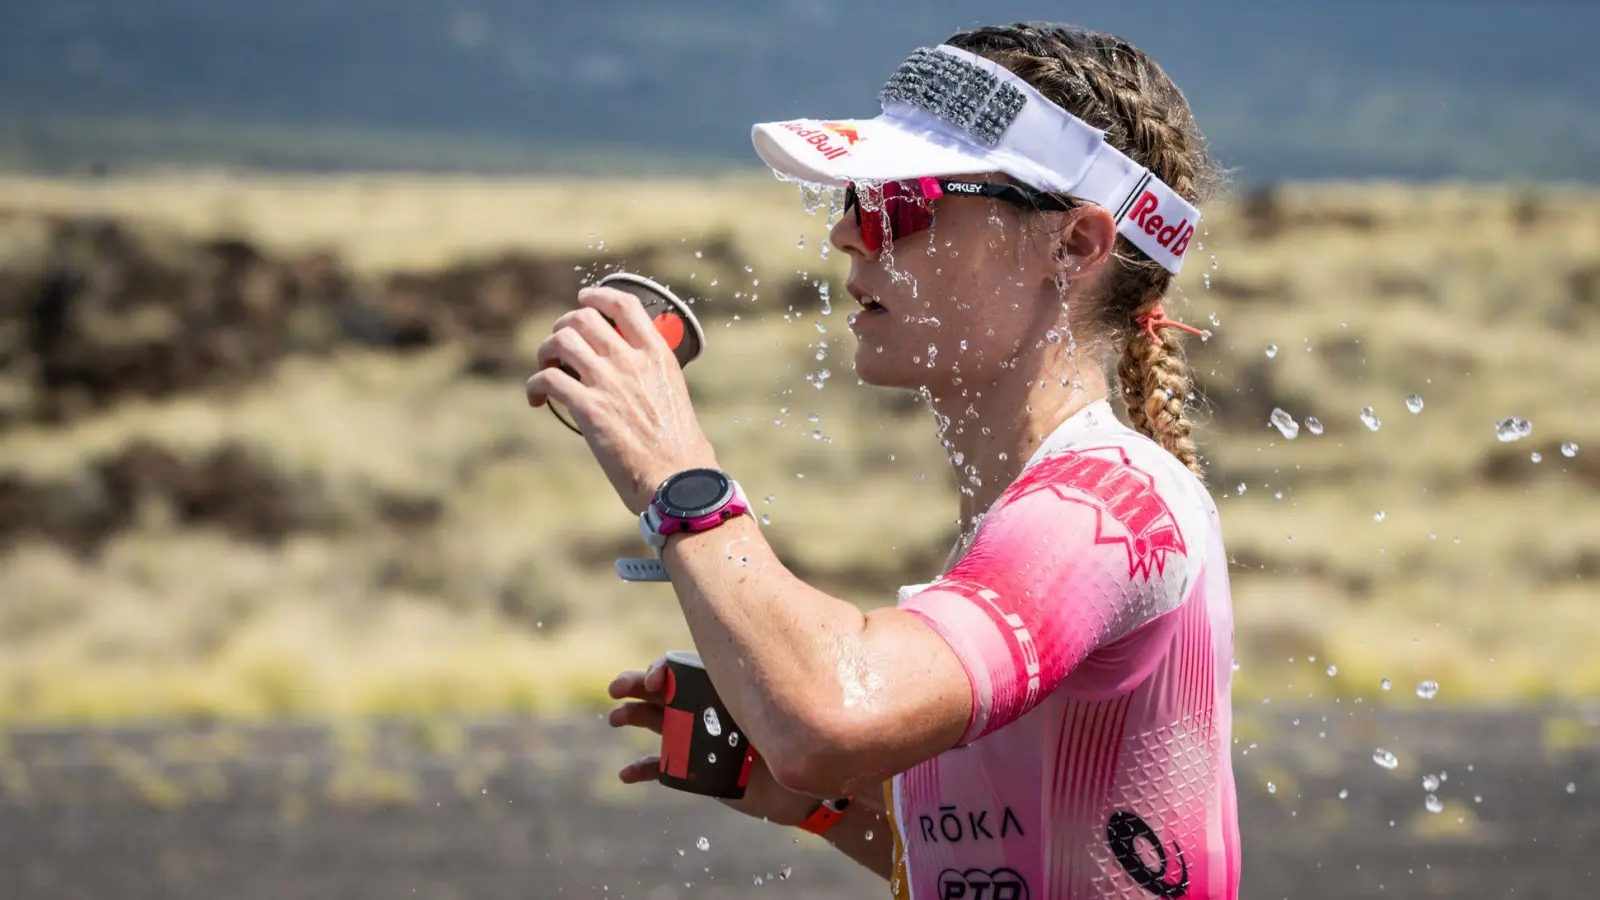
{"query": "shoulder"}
pixel 1136 493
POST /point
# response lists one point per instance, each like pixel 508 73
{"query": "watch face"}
pixel 695 493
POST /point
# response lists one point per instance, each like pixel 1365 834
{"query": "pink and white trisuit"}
pixel 1092 615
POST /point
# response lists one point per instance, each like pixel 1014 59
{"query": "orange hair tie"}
pixel 1156 317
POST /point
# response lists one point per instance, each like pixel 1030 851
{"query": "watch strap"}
pixel 826 815
pixel 641 569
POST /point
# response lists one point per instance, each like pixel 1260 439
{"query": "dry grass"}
pixel 1459 294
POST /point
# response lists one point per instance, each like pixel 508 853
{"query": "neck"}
pixel 995 429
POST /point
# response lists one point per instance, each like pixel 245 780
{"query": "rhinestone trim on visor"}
pixel 956 91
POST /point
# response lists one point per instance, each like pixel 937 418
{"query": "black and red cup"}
pixel 702 749
pixel 669 314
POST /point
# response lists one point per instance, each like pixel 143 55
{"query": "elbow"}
pixel 824 759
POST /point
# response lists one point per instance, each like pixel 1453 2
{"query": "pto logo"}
pixel 979 884
pixel 1138 518
pixel 831 139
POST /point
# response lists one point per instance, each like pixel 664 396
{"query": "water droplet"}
pixel 703 845
pixel 711 758
pixel 1313 424
pixel 1053 336
pixel 1241 488
pixel 1332 671
pixel 733 739
pixel 1536 457
pixel 712 723
pixel 1272 788
pixel 1386 684
pixel 1569 449
pixel 1427 690
pixel 1430 783
pixel 1572 787
pixel 1344 793
pixel 1236 665
pixel 868 835
pixel 1433 804
pixel 1215 322
pixel 800 244
pixel 1370 419
pixel 1285 424
pixel 1378 516
pixel 757 881
pixel 1512 429
pixel 766 519
pixel 1384 758
pixel 1414 403
pixel 1272 350
pixel 785 872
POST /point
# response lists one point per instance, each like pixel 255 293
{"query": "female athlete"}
pixel 1049 718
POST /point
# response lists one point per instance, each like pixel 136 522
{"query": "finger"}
pixel 570 347
pixel 553 382
pixel 655 680
pixel 601 334
pixel 640 770
pixel 649 716
pixel 625 684
pixel 627 311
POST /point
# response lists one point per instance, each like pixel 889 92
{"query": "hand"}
pixel 632 403
pixel 764 798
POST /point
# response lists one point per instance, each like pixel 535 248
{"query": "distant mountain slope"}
pixel 1300 88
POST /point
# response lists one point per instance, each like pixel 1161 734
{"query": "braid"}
pixel 1115 87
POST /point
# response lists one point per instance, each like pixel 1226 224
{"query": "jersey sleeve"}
pixel 1081 551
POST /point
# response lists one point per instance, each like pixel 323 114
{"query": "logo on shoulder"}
pixel 1130 511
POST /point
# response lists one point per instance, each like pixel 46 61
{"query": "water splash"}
pixel 1370 419
pixel 1512 428
pixel 1285 424
pixel 1433 804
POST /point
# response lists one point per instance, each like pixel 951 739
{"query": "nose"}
pixel 846 235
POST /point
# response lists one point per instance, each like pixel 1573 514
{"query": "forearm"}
pixel 772 644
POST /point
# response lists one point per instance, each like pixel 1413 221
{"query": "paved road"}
pixel 528 809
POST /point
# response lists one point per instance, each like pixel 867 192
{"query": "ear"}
pixel 1084 242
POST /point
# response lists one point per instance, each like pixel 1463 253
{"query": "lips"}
pixel 869 305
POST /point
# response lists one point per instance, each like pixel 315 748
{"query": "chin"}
pixel 884 370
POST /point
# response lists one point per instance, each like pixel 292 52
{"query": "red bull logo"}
pixel 1146 214
pixel 831 139
pixel 1140 519
pixel 849 132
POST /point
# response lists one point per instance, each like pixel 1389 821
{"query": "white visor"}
pixel 949 112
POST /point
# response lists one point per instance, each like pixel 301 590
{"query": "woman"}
pixel 1049 717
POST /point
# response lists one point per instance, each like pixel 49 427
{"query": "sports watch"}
pixel 693 500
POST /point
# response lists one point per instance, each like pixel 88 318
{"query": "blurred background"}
pixel 298 599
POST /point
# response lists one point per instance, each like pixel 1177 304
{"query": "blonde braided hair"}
pixel 1114 86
